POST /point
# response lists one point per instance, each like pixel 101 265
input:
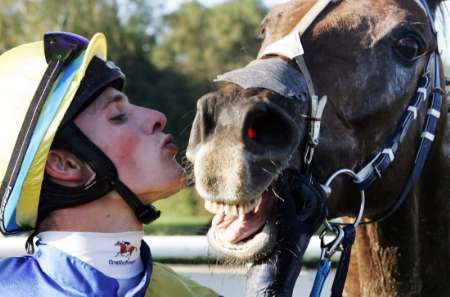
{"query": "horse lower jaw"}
pixel 252 248
pixel 243 232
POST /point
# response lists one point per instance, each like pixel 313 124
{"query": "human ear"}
pixel 64 166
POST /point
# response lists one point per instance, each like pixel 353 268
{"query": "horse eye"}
pixel 409 47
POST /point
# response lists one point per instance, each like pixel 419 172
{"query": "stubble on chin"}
pixel 172 187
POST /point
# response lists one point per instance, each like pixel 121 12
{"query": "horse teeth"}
pixel 231 209
pixel 227 209
pixel 213 207
pixel 208 205
pixel 241 210
pixel 234 210
pixel 252 204
pixel 221 208
pixel 217 207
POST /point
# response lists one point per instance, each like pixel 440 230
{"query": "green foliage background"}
pixel 170 60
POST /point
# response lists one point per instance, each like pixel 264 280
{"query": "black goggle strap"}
pixel 60 48
pixel 145 213
pixel 78 143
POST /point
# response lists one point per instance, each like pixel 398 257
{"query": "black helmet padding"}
pixel 99 75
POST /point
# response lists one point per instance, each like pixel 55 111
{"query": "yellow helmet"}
pixel 38 82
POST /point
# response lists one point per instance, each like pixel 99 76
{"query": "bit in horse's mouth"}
pixel 241 227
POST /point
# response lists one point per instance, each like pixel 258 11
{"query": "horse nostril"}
pixel 267 129
pixel 203 125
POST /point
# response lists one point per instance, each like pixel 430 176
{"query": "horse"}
pixel 369 58
pixel 125 249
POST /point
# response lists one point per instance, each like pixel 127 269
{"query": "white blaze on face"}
pixel 442 23
pixel 220 170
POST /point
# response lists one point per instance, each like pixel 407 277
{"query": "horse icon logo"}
pixel 126 249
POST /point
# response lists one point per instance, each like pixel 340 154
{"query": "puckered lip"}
pixel 168 139
pixel 168 145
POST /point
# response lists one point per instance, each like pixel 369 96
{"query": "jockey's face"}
pixel 133 138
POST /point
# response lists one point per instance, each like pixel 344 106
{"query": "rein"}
pixel 429 89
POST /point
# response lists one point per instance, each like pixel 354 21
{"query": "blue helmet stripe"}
pixel 45 119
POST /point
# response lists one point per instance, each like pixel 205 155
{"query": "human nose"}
pixel 155 121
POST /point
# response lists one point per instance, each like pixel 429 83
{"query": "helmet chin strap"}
pixel 106 179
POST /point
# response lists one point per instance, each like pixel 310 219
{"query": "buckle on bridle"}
pixel 330 248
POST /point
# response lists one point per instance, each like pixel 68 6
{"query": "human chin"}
pixel 169 183
pixel 170 169
pixel 159 194
pixel 176 179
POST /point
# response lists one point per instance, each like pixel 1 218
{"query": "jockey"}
pixel 81 166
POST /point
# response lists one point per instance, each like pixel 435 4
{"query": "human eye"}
pixel 119 119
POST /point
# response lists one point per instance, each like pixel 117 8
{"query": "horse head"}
pixel 368 58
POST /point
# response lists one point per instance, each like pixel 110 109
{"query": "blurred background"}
pixel 170 51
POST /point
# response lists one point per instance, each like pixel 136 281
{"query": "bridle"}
pixel 429 90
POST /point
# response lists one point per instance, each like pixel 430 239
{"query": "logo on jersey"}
pixel 126 249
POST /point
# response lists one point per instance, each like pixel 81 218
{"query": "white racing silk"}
pixel 116 255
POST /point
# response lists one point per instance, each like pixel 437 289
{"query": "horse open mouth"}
pixel 242 231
